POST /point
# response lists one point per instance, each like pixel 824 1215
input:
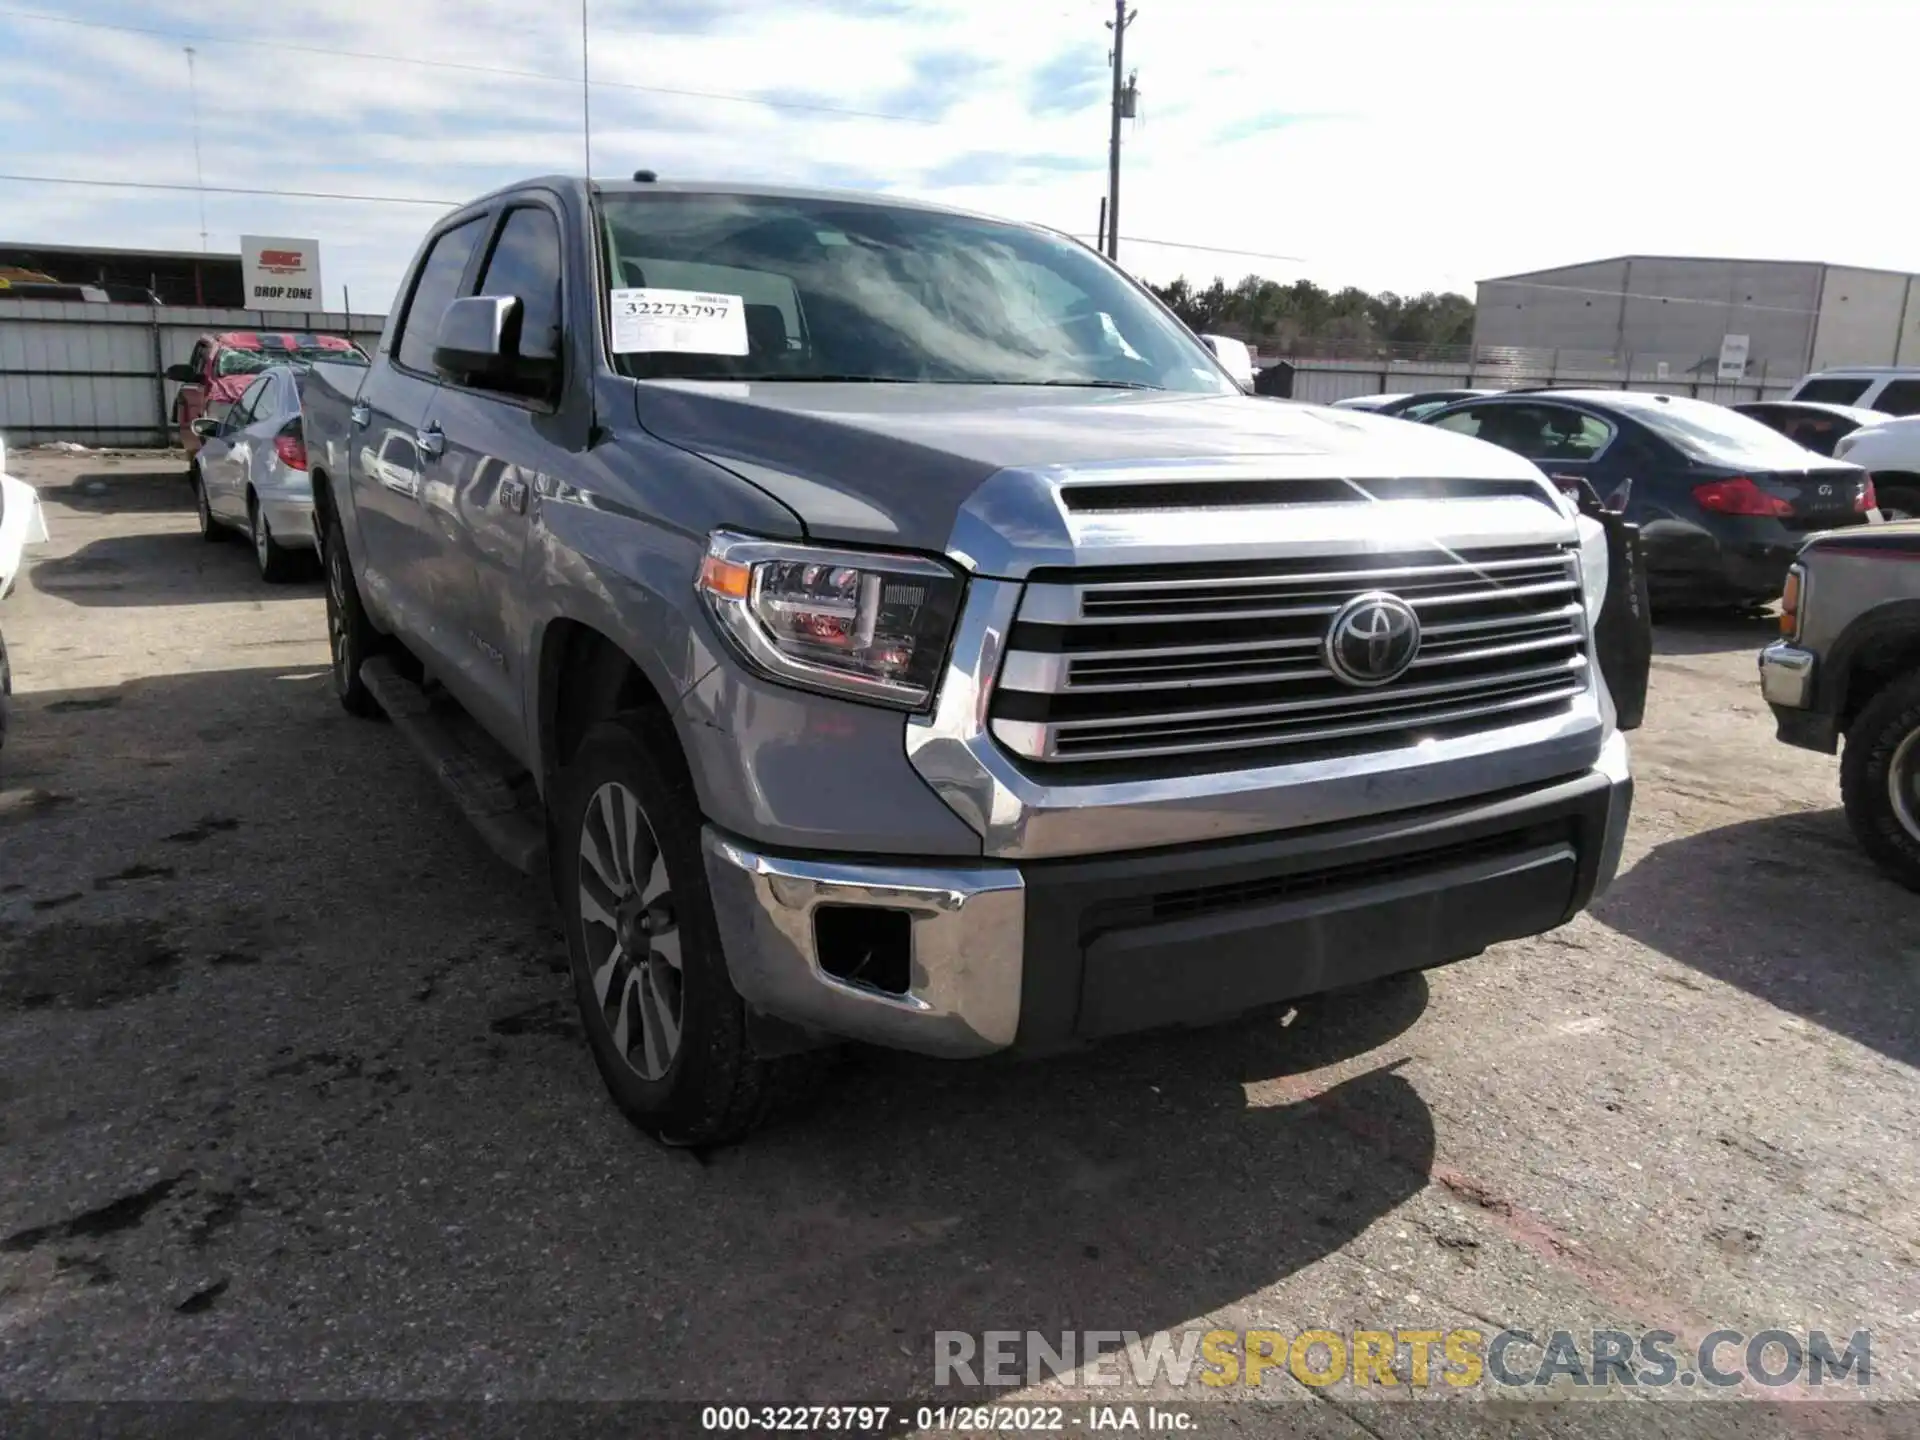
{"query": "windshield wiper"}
pixel 1087 384
pixel 806 379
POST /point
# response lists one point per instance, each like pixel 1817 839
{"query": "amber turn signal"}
pixel 726 578
pixel 1790 604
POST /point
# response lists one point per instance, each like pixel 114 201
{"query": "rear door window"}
pixel 1837 391
pixel 434 290
pixel 242 413
pixel 1900 397
pixel 1539 432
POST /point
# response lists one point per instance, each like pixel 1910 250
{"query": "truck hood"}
pixel 894 464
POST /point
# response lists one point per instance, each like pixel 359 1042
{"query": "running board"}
pixel 482 787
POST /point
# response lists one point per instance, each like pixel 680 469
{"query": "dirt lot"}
pixel 293 1102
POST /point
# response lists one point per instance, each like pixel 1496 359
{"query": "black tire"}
pixel 1882 759
pixel 6 690
pixel 351 638
pixel 210 530
pixel 712 1088
pixel 277 563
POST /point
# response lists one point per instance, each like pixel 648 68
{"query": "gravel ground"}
pixel 293 1103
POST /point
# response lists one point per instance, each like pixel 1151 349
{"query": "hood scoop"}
pixel 1105 497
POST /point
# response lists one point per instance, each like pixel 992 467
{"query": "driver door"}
pixel 226 455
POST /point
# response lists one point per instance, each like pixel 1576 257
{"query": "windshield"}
pixel 1714 433
pixel 714 287
pixel 302 352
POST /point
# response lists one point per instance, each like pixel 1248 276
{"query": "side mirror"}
pixel 183 373
pixel 206 427
pixel 480 340
pixel 1235 356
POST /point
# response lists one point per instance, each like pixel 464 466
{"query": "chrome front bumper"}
pixel 1786 675
pixel 976 930
pixel 968 943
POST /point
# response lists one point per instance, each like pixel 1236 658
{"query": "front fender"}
pixel 1896 620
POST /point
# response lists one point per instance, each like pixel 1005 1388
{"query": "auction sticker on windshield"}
pixel 692 322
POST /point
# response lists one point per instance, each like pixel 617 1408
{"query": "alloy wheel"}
pixel 1903 783
pixel 630 931
pixel 337 616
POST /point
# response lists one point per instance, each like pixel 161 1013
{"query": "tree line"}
pixel 1265 310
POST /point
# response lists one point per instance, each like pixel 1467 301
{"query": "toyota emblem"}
pixel 1373 639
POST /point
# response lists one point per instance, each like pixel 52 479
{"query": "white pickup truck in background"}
pixel 21 525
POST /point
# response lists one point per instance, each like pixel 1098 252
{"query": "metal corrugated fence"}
pixel 93 374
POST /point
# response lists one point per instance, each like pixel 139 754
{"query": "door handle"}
pixel 361 414
pixel 431 441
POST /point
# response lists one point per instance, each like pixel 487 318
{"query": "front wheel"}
pixel 209 527
pixel 667 1029
pixel 1880 780
pixel 351 638
pixel 276 562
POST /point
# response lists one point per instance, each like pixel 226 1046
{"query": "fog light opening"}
pixel 865 945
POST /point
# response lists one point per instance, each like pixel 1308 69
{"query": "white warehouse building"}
pixel 1794 316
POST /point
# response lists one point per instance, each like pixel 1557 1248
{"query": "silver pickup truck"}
pixel 887 623
pixel 1849 665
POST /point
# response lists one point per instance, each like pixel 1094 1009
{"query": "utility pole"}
pixel 1122 106
pixel 199 178
pixel 586 100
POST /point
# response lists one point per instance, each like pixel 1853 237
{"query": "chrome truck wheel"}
pixel 667 1029
pixel 1880 780
pixel 631 935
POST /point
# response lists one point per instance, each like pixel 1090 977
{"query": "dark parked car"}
pixel 1417 406
pixel 1723 503
pixel 1810 423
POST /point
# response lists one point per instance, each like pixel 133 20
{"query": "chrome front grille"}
pixel 1181 661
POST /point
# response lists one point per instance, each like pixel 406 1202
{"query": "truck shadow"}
pixel 177 568
pixel 1789 909
pixel 124 492
pixel 1707 632
pixel 1135 1188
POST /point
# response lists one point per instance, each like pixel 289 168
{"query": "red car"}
pixel 222 366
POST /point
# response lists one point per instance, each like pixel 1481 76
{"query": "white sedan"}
pixel 1890 451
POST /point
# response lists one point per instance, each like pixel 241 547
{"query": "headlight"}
pixel 848 622
pixel 1593 565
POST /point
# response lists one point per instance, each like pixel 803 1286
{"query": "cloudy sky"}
pixel 1393 144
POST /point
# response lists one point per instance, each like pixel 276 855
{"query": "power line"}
pixel 232 190
pixel 1130 239
pixel 286 45
pixel 1208 249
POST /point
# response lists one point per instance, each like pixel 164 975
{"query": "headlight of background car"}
pixel 848 622
pixel 1593 565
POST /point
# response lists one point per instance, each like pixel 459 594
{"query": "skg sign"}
pixel 281 273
